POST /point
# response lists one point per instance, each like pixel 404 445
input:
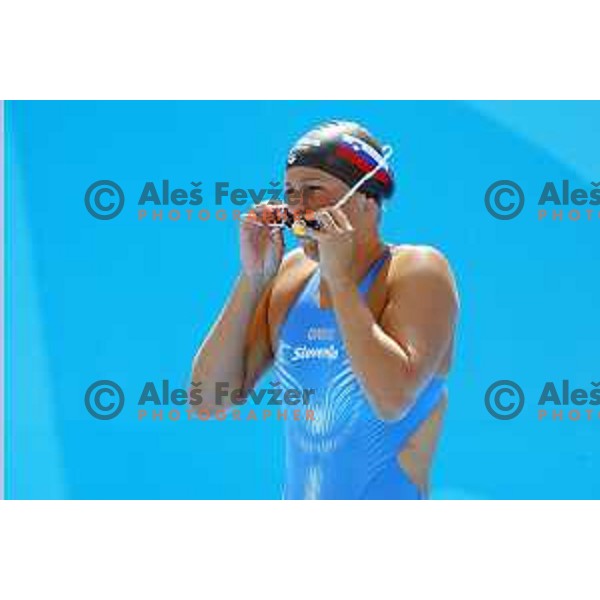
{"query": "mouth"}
pixel 299 224
pixel 299 229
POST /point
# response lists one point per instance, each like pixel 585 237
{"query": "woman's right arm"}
pixel 237 340
pixel 237 349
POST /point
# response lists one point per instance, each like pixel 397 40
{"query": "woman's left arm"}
pixel 395 357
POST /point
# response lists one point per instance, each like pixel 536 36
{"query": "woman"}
pixel 367 325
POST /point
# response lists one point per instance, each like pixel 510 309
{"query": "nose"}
pixel 297 200
pixel 307 202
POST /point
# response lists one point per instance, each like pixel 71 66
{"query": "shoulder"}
pixel 294 267
pixel 411 259
pixel 413 263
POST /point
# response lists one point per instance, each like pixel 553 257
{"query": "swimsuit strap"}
pixel 366 282
pixel 425 403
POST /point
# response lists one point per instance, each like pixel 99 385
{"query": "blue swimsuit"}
pixel 345 451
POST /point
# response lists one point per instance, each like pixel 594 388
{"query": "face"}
pixel 309 190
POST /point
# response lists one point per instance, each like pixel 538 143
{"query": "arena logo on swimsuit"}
pixel 320 333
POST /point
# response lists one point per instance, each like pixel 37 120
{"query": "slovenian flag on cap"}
pixel 363 156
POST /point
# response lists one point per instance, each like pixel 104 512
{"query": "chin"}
pixel 311 249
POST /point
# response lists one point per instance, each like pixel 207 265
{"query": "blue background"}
pixel 130 301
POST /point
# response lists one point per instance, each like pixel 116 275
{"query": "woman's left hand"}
pixel 337 245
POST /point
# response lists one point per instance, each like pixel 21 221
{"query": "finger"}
pixel 327 222
pixel 278 241
pixel 260 206
pixel 258 209
pixel 341 219
pixel 267 215
pixel 325 231
pixel 315 234
pixel 251 219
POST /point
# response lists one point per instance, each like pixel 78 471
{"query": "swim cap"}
pixel 347 151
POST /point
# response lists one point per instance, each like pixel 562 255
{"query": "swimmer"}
pixel 369 325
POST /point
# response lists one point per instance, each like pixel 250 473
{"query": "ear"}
pixel 364 202
pixel 369 203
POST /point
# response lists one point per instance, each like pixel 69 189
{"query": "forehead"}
pixel 296 176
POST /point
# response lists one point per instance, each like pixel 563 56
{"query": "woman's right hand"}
pixel 261 246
